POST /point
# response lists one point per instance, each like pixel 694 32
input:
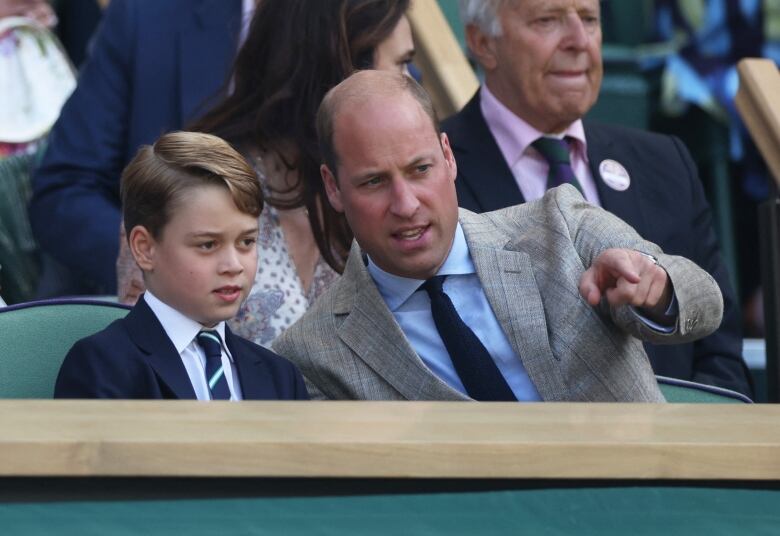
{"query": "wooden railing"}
pixel 447 75
pixel 758 102
pixel 389 440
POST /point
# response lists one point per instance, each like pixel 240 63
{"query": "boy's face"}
pixel 204 263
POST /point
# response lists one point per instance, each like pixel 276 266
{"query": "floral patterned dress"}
pixel 277 298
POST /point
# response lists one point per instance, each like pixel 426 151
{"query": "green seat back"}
pixel 685 392
pixel 35 337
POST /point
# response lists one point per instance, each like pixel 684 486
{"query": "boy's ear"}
pixel 142 246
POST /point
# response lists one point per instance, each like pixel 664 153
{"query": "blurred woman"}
pixel 296 50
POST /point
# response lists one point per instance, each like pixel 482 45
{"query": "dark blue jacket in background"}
pixel 154 66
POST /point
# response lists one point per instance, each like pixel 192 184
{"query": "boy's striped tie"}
pixel 215 376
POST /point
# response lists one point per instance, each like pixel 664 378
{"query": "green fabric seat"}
pixel 685 392
pixel 36 336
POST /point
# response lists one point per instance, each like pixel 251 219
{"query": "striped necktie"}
pixel 211 344
pixel 556 152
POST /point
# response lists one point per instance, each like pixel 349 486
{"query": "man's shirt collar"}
pixel 513 135
pixel 179 328
pixel 395 290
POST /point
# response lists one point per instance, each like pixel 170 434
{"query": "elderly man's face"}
pixel 396 184
pixel 546 66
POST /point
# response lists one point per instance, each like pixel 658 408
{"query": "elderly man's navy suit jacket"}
pixel 665 203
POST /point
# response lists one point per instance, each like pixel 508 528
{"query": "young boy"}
pixel 190 205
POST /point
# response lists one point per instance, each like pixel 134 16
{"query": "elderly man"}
pixel 523 133
pixel 543 301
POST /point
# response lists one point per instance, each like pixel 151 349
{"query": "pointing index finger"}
pixel 619 263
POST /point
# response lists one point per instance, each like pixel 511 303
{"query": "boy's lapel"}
pixel 253 374
pixel 150 337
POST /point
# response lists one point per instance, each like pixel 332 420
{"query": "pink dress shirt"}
pixel 514 137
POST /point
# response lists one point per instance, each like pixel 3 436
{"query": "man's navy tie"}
pixel 215 376
pixel 477 370
pixel 556 152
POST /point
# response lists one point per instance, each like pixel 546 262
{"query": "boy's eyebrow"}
pixel 210 234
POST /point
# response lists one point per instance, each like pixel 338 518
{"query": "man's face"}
pixel 395 185
pixel 397 51
pixel 546 65
pixel 204 263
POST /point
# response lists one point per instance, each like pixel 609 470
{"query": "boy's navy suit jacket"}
pixel 133 358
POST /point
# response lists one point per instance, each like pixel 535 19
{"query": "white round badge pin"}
pixel 615 175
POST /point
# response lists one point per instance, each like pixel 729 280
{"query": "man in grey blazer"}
pixel 558 293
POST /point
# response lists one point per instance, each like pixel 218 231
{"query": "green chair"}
pixel 684 392
pixel 36 336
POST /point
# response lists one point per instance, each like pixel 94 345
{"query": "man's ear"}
pixel 482 47
pixel 142 246
pixel 331 188
pixel 449 157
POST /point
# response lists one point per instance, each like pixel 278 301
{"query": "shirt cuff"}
pixel 670 315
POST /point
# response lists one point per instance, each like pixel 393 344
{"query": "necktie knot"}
pixel 434 285
pixel 554 150
pixel 556 153
pixel 211 343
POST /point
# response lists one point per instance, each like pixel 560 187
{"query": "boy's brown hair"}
pixel 154 180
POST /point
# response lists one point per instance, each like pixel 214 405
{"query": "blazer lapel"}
pixel 626 205
pixel 208 41
pixel 371 332
pixel 508 281
pixel 481 166
pixel 253 374
pixel 148 334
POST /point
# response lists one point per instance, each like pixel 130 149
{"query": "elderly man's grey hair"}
pixel 483 14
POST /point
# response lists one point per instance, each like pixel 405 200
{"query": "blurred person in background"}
pixel 36 78
pixel 77 22
pixel 700 80
pixel 14 72
pixel 39 10
pixel 152 68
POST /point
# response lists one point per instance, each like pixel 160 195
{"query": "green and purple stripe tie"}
pixel 556 152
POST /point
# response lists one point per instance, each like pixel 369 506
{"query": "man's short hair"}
pixel 155 179
pixel 483 14
pixel 333 101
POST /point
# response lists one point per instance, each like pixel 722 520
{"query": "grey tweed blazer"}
pixel 529 258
